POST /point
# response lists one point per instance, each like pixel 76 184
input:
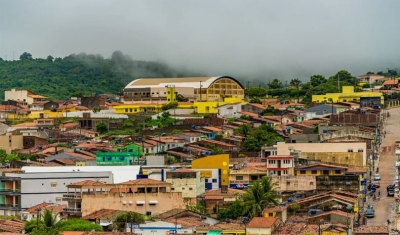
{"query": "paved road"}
pixel 387 170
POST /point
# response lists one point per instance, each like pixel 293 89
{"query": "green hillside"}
pixel 82 73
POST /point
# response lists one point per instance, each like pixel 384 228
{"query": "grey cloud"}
pixel 257 39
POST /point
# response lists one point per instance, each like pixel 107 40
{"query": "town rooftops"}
pixel 261 222
pixel 391 82
pixel 217 192
pixel 145 182
pixel 87 183
pixel 363 229
pixel 100 214
pixel 275 208
pixel 321 166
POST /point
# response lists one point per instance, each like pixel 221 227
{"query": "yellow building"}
pixel 194 88
pixel 347 94
pixel 220 161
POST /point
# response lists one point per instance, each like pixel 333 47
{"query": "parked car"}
pixel 377 184
pixel 377 177
pixel 370 212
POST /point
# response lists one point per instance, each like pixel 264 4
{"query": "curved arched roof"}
pixel 178 82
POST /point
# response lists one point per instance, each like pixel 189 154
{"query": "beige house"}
pixel 144 196
pixel 262 226
pixel 23 95
pixel 188 182
pixel 287 148
pixel 10 142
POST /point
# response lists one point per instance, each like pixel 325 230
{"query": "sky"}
pixel 262 39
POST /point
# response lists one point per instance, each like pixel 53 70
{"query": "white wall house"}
pixel 230 110
pixel 280 165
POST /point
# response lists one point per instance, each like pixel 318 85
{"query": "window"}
pixel 350 150
pixel 157 92
pixel 183 188
pixel 311 183
pixel 152 93
pixel 360 150
pixel 165 92
pixel 287 183
pixel 326 172
pixel 130 110
pixel 314 172
pixel 239 177
pixel 302 172
pixel 338 172
pixel 53 184
pixel 206 181
pixel 135 93
pixel 58 199
pixel 214 180
pixel 333 159
pixel 126 110
pixel 270 214
pixel 190 188
pixel 172 189
pixel 347 158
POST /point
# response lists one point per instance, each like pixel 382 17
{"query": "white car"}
pixel 377 177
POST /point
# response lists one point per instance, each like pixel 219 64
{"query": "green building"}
pixel 117 158
pixel 136 149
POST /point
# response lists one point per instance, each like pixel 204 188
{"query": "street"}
pixel 384 208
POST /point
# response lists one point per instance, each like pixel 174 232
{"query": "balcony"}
pixel 72 196
pixel 10 192
pixel 72 210
pixel 9 207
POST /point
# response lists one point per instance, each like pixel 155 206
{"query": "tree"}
pixel 101 127
pixel 219 136
pixel 295 207
pixel 254 92
pixel 344 76
pixel 251 144
pixel 171 105
pixel 275 84
pixel 255 100
pixel 127 124
pixel 296 83
pixel 78 225
pixel 130 217
pixel 181 98
pixel 50 58
pixel 244 129
pixel 316 80
pixel 259 195
pixel 26 56
pixel 170 160
pixel 234 211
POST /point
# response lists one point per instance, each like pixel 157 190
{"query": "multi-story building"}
pixel 10 142
pixel 144 196
pixel 347 94
pixel 220 162
pixel 280 165
pixel 10 191
pixel 186 181
pixel 23 95
pixel 288 148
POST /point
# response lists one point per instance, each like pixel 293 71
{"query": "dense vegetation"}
pixel 78 74
pixel 257 137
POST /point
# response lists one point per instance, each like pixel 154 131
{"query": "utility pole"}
pixel 200 92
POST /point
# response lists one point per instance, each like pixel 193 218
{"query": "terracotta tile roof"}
pixel 25 124
pixel 188 221
pixel 68 125
pixel 192 134
pixel 371 229
pixel 233 225
pixel 275 208
pixel 80 107
pixel 56 208
pixel 145 182
pixel 249 114
pixel 261 222
pixel 66 161
pixel 10 170
pixel 296 219
pixel 34 209
pixel 99 214
pixel 320 165
pixel 260 106
pixel 10 233
pixel 87 183
pixel 290 229
pixel 391 82
pixel 217 192
pixel 15 226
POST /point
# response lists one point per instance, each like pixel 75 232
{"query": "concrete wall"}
pixel 189 187
pixel 15 94
pixel 295 183
pixel 166 202
pixel 348 159
pixel 36 187
pixel 284 148
pixel 258 231
pixel 10 142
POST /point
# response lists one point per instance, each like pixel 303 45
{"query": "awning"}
pixel 105 224
pixel 214 232
pixel 140 202
pixel 153 202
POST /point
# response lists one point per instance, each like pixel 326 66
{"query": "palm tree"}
pixel 296 83
pixel 259 195
pixel 244 130
pixel 49 220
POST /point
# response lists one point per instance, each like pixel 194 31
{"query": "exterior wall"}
pixel 283 148
pixel 117 158
pixel 220 161
pixel 212 177
pixel 295 183
pixel 189 187
pixel 229 111
pixel 281 215
pixel 16 94
pixel 322 109
pixel 166 202
pixel 348 159
pixel 368 119
pixel 10 142
pixel 319 172
pixel 37 188
pixel 347 94
pixel 258 231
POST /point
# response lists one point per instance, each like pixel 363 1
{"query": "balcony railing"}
pixel 9 191
pixel 9 206
pixel 72 196
pixel 74 210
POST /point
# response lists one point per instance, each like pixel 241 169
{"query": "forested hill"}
pixel 60 78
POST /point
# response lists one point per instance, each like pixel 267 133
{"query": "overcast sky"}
pixel 265 39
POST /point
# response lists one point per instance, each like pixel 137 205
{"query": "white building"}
pixel 230 110
pixel 280 165
pixel 23 95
